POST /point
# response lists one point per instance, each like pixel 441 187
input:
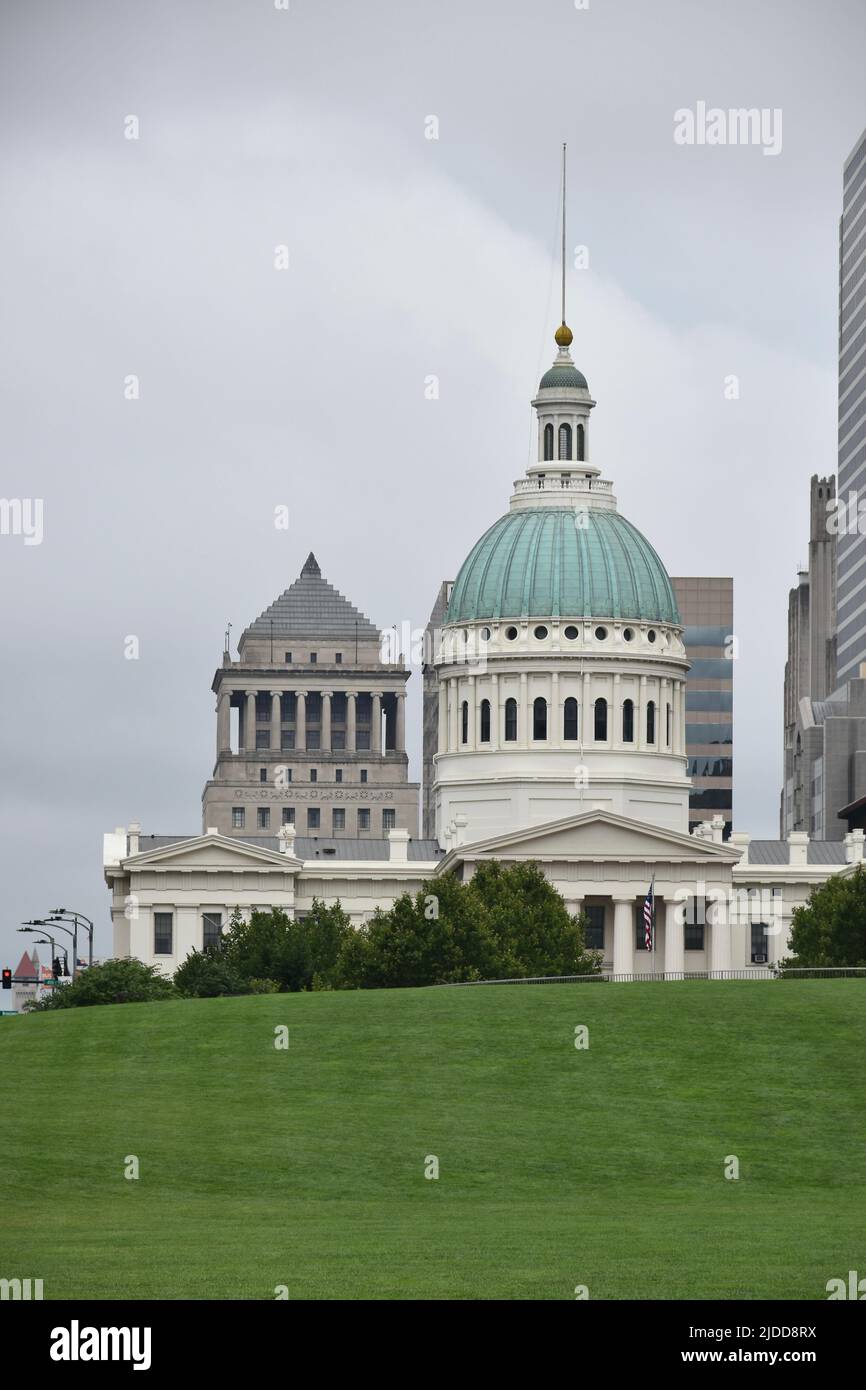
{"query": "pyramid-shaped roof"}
pixel 311 607
pixel 26 968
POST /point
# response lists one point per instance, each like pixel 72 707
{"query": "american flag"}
pixel 648 915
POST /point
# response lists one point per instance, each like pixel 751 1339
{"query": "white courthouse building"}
pixel 561 740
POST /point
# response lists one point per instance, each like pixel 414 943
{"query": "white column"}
pixel 554 718
pixel 523 713
pixel 351 697
pixel 664 697
pixel 443 717
pixel 623 936
pixel 641 714
pixel 720 935
pixel 300 719
pixel 250 722
pixel 471 730
pixel 454 712
pixel 585 727
pixel 325 738
pixel 400 736
pixel 615 728
pixel 494 712
pixel 682 747
pixel 674 939
pixel 376 723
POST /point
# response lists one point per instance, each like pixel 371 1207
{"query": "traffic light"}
pixel 57 967
pixel 7 978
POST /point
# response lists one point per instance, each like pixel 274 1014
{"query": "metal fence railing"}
pixel 756 972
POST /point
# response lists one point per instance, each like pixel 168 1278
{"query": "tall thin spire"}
pixel 563 319
pixel 563 334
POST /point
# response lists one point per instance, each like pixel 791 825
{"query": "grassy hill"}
pixel 558 1167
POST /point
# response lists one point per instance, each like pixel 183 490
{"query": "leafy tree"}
pixel 830 929
pixel 507 922
pixel 206 975
pixel 534 931
pixel 293 952
pixel 117 981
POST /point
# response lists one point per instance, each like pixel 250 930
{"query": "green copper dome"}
pixel 563 376
pixel 536 563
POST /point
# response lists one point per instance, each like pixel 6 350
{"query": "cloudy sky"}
pixel 408 256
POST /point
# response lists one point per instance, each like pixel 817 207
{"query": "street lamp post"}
pixel 43 923
pixel 49 941
pixel 69 914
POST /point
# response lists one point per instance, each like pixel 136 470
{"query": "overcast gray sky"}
pixel 305 387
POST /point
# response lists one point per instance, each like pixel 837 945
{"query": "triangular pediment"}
pixel 595 835
pixel 212 852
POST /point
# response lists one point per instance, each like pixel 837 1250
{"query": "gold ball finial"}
pixel 563 335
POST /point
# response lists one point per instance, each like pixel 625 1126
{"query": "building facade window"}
pixel 162 933
pixel 693 936
pixel 338 821
pixel 759 953
pixel 239 817
pixel 314 657
pixel 288 815
pixel 314 774
pixel 263 774
pixel 263 738
pixel 581 445
pixel 668 725
pixel 263 817
pixel 539 718
pixel 548 443
pixel 464 722
pixel 565 441
pixel 628 721
pixel 338 658
pixel 363 819
pixel 288 656
pixel 600 731
pixel 338 775
pixel 510 721
pixel 389 818
pixel 314 818
pixel 569 719
pixel 639 931
pixel 363 774
pixel 594 927
pixel 485 722
pixel 211 929
pixel 651 722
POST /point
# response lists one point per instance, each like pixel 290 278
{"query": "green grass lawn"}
pixel 557 1167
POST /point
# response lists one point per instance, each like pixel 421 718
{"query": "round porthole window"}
pixel 651 636
pixel 628 634
pixel 601 633
pixel 541 632
pixel 572 633
pixel 485 634
pixel 511 633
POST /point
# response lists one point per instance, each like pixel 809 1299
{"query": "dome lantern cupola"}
pixel 562 406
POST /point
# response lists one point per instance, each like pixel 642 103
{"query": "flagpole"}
pixel 653 888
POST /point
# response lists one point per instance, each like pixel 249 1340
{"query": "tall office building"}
pixel 707 612
pixel 810 676
pixel 851 598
